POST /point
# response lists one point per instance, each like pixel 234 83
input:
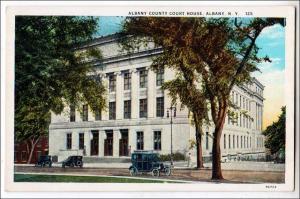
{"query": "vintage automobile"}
pixel 73 161
pixel 148 161
pixel 44 160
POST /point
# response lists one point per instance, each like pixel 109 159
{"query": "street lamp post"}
pixel 172 111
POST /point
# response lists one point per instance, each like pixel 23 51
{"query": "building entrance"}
pixel 108 144
pixel 123 143
pixel 95 143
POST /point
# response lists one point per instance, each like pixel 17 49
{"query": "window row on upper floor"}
pixel 143 79
pixel 240 101
pixel 127 106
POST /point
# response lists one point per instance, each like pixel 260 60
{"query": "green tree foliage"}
pixel 275 134
pixel 51 71
pixel 166 33
pixel 219 53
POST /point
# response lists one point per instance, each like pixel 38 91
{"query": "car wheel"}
pixel 155 172
pixel 72 164
pixel 79 163
pixel 168 171
pixel 133 171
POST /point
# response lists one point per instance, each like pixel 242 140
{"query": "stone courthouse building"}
pixel 137 114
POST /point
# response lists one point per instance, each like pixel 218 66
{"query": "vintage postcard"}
pixel 149 98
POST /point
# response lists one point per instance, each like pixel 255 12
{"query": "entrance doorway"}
pixel 123 143
pixel 108 143
pixel 95 143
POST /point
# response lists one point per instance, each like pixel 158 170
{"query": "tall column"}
pixel 87 143
pixel 75 143
pixel 116 137
pixel 134 94
pixel 104 113
pixel 261 116
pixel 151 90
pixel 132 139
pixel 169 75
pixel 102 137
pixel 119 95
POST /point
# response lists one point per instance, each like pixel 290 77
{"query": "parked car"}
pixel 148 161
pixel 44 160
pixel 73 161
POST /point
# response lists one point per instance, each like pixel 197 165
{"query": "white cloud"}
pixel 272 32
pixel 266 67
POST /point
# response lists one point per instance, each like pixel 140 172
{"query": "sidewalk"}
pixel 237 165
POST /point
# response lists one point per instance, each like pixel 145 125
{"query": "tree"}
pixel 222 51
pixel 275 134
pixel 51 71
pixel 174 41
pixel 228 62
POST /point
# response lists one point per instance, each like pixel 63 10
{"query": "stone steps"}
pixel 106 160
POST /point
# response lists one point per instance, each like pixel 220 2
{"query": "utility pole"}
pixel 172 110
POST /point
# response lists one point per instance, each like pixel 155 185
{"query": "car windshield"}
pixel 155 157
pixel 44 157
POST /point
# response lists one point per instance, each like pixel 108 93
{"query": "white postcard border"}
pixel 281 11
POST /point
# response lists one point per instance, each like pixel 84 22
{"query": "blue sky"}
pixel 271 42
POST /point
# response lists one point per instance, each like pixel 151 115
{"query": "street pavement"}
pixel 203 175
pixel 234 165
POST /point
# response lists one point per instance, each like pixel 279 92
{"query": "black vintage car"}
pixel 148 161
pixel 73 161
pixel 44 160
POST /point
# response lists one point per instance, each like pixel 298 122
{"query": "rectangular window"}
pixel 229 142
pixel 240 101
pixel 140 140
pixel 85 115
pixel 244 141
pixel 237 99
pixel 224 141
pixel 247 142
pixel 237 141
pixel 72 113
pixel 112 83
pixel 81 141
pixel 157 140
pixel 127 80
pixel 23 156
pixel 250 142
pixel 143 108
pixel 233 141
pixel 69 141
pixel 207 144
pixel 127 109
pixel 98 115
pixel 38 154
pixel 160 107
pixel 241 142
pixel 160 77
pixel 143 78
pixel 112 110
pixel 240 119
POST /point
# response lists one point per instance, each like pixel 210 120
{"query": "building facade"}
pixel 21 153
pixel 137 114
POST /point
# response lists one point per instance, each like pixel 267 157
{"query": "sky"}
pixel 271 42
